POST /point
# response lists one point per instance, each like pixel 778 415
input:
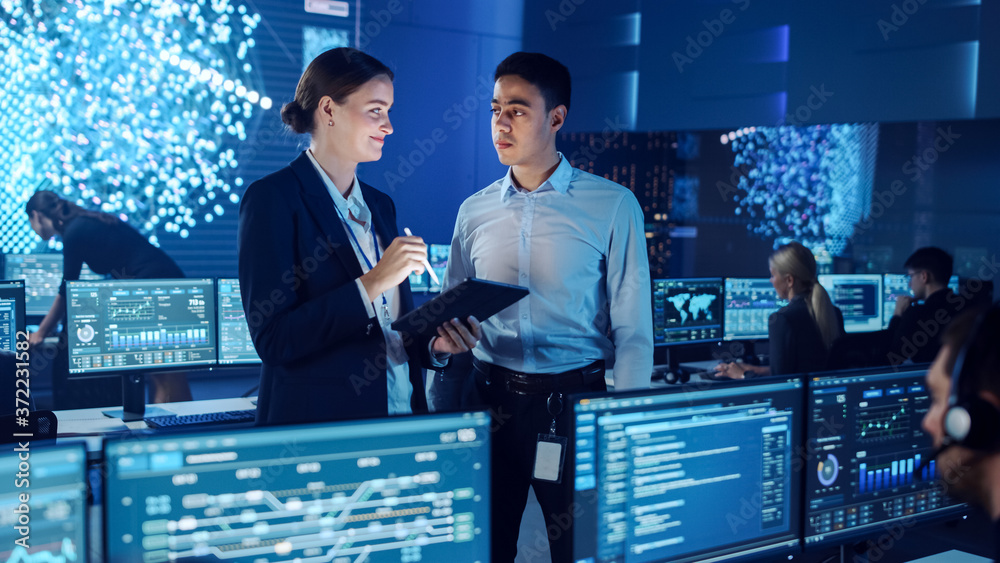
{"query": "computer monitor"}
pixel 687 311
pixel 129 328
pixel 749 303
pixel 140 325
pixel 898 285
pixel 11 313
pixel 865 448
pixel 235 344
pixel 397 489
pixel 42 274
pixel 52 524
pixel 858 297
pixel 685 475
pixel 437 255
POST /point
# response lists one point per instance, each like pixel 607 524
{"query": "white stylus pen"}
pixel 427 264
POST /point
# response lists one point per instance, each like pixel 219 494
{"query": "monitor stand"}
pixel 134 400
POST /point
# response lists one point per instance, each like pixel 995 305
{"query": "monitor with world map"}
pixel 687 311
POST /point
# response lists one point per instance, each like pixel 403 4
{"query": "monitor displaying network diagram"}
pixel 389 490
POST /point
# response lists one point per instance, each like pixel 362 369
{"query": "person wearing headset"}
pixel 964 417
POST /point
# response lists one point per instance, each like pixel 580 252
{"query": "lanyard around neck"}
pixel 350 231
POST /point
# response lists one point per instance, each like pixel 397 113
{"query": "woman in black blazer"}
pixel 802 332
pixel 322 269
pixel 109 246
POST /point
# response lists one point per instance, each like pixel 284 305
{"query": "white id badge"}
pixel 550 453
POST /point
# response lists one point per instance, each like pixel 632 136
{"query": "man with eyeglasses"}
pixel 918 321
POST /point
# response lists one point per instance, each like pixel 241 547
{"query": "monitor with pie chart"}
pixel 130 328
pixel 867 459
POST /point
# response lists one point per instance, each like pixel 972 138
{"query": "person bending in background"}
pixel 109 246
pixel 964 417
pixel 323 272
pixel 801 333
pixel 915 329
pixel 576 241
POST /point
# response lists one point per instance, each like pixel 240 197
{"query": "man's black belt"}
pixel 539 383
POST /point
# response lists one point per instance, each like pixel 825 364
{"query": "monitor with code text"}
pixel 859 297
pixel 684 475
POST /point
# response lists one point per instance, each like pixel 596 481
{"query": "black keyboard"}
pixel 203 419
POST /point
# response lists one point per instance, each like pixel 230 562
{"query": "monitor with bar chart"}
pixel 868 463
pixel 140 325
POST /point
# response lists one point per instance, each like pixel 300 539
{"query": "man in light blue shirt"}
pixel 576 241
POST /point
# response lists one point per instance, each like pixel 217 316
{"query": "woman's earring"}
pixel 331 123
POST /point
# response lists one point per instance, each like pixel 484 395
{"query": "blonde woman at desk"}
pixel 802 332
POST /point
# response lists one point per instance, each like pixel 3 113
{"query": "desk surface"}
pixel 92 424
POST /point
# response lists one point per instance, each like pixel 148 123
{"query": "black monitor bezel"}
pixel 878 529
pixel 144 369
pixel 777 549
pixel 20 317
pixel 722 309
pixel 726 336
pixel 109 441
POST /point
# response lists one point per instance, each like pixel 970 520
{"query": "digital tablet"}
pixel 479 298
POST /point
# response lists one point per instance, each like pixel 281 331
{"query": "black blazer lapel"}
pixel 324 213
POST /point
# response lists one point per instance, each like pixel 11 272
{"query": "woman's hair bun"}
pixel 295 117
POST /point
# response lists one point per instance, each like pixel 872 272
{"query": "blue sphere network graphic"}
pixel 812 183
pixel 128 107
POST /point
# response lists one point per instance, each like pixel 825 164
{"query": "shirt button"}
pixel 523 275
pixel 524 316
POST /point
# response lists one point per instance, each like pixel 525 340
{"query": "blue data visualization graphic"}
pixel 869 455
pixel 399 490
pixel 54 516
pixel 810 183
pixel 128 107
